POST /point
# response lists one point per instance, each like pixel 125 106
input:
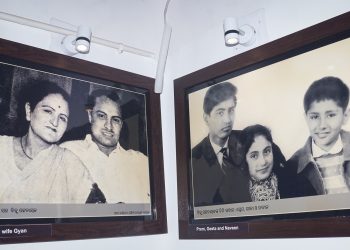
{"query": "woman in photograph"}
pixel 264 162
pixel 33 168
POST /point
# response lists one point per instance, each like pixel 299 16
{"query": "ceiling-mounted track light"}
pixel 234 35
pixel 79 43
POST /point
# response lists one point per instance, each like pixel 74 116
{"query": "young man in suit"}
pixel 217 177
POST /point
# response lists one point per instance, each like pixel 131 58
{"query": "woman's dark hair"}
pixel 247 138
pixel 33 92
pixel 249 133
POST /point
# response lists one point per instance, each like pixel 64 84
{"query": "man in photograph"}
pixel 122 176
pixel 216 160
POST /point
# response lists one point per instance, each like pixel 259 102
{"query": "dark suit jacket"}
pixel 209 184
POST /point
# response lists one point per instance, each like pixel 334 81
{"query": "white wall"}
pixel 197 42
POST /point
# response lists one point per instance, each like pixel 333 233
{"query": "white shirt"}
pixel 123 176
pixel 317 151
pixel 217 148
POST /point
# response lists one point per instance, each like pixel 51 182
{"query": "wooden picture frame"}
pixel 269 90
pixel 38 221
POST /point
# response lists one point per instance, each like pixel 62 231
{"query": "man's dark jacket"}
pixel 210 185
pixel 307 179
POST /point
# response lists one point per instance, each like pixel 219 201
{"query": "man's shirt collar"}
pixel 92 144
pixel 317 151
pixel 217 149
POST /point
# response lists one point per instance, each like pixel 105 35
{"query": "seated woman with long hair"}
pixel 264 162
pixel 33 168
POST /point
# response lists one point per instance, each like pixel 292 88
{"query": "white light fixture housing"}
pixel 79 43
pixel 163 53
pixel 234 35
pixel 158 84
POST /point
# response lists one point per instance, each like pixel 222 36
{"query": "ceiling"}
pixel 137 23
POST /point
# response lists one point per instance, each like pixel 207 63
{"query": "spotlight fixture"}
pixel 231 31
pixel 79 43
pixel 244 35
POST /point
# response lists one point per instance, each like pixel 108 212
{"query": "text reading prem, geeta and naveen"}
pixel 217 228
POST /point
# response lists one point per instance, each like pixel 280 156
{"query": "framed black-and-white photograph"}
pixel 80 149
pixel 263 140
